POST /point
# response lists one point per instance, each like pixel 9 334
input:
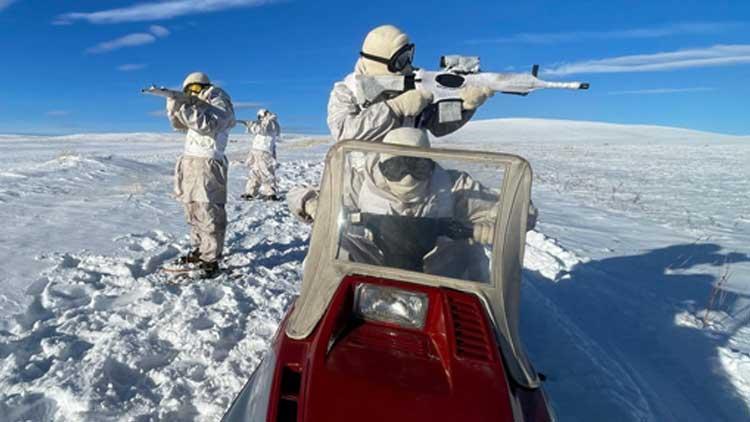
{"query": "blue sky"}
pixel 78 66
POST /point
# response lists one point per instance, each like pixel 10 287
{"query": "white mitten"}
pixel 483 233
pixel 410 103
pixel 533 215
pixel 303 202
pixel 475 96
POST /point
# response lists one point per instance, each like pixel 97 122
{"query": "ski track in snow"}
pixel 619 328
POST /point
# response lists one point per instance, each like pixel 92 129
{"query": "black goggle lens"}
pixel 396 168
pixel 398 62
pixel 402 58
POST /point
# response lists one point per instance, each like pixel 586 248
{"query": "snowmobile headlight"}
pixel 391 305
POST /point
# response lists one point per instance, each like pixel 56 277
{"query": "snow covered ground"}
pixel 637 226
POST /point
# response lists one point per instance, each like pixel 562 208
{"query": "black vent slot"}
pixel 291 381
pixel 469 328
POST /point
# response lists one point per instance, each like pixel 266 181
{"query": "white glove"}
pixel 410 103
pixel 474 96
pixel 484 233
pixel 254 127
pixel 310 207
pixel 303 202
pixel 533 215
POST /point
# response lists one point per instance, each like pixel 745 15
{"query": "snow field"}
pixel 637 224
pixel 106 338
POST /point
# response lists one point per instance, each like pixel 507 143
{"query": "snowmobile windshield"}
pixel 418 214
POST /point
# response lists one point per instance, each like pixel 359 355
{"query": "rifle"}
pixel 165 92
pixel 458 72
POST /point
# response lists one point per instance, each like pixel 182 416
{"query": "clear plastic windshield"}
pixel 419 214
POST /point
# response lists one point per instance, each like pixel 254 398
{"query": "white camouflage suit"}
pixel 201 172
pixel 350 118
pixel 261 161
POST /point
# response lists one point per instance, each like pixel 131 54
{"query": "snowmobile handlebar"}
pixel 404 241
pixel 448 227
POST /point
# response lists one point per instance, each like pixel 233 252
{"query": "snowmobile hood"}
pixel 323 272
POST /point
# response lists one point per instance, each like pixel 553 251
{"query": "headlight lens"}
pixel 392 305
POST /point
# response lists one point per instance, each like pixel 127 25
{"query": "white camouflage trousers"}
pixel 262 173
pixel 208 225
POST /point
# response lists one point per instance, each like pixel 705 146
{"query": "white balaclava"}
pixel 383 41
pixel 408 188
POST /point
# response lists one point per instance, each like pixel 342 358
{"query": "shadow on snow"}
pixel 625 309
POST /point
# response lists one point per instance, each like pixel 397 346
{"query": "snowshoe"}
pixel 207 270
pixel 184 263
pixel 192 258
pixel 202 271
pixel 272 197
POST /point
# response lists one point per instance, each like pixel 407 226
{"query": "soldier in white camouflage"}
pixel 206 115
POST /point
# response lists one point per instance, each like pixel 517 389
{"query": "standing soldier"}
pixel 261 161
pixel 388 51
pixel 206 115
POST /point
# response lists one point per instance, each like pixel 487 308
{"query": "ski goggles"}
pixel 402 58
pixel 194 88
pixel 396 168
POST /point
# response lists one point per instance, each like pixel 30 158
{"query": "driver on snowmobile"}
pixel 412 207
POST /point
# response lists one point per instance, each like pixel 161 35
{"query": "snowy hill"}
pixel 638 224
pixel 577 132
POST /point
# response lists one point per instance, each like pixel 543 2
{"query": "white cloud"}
pixel 718 55
pixel 159 31
pixel 130 40
pixel 241 105
pixel 688 28
pixel 157 11
pixel 654 91
pixel 130 67
pixel 158 113
pixel 5 3
pixel 58 113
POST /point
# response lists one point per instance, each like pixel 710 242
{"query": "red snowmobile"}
pixel 409 308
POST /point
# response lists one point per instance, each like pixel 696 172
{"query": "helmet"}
pixel 261 112
pixel 199 78
pixel 387 50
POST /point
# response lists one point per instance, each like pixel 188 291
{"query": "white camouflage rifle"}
pixel 166 93
pixel 446 85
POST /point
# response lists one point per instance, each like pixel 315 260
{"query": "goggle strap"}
pixel 374 58
pixel 390 61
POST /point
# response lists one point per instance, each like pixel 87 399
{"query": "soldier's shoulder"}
pixel 216 92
